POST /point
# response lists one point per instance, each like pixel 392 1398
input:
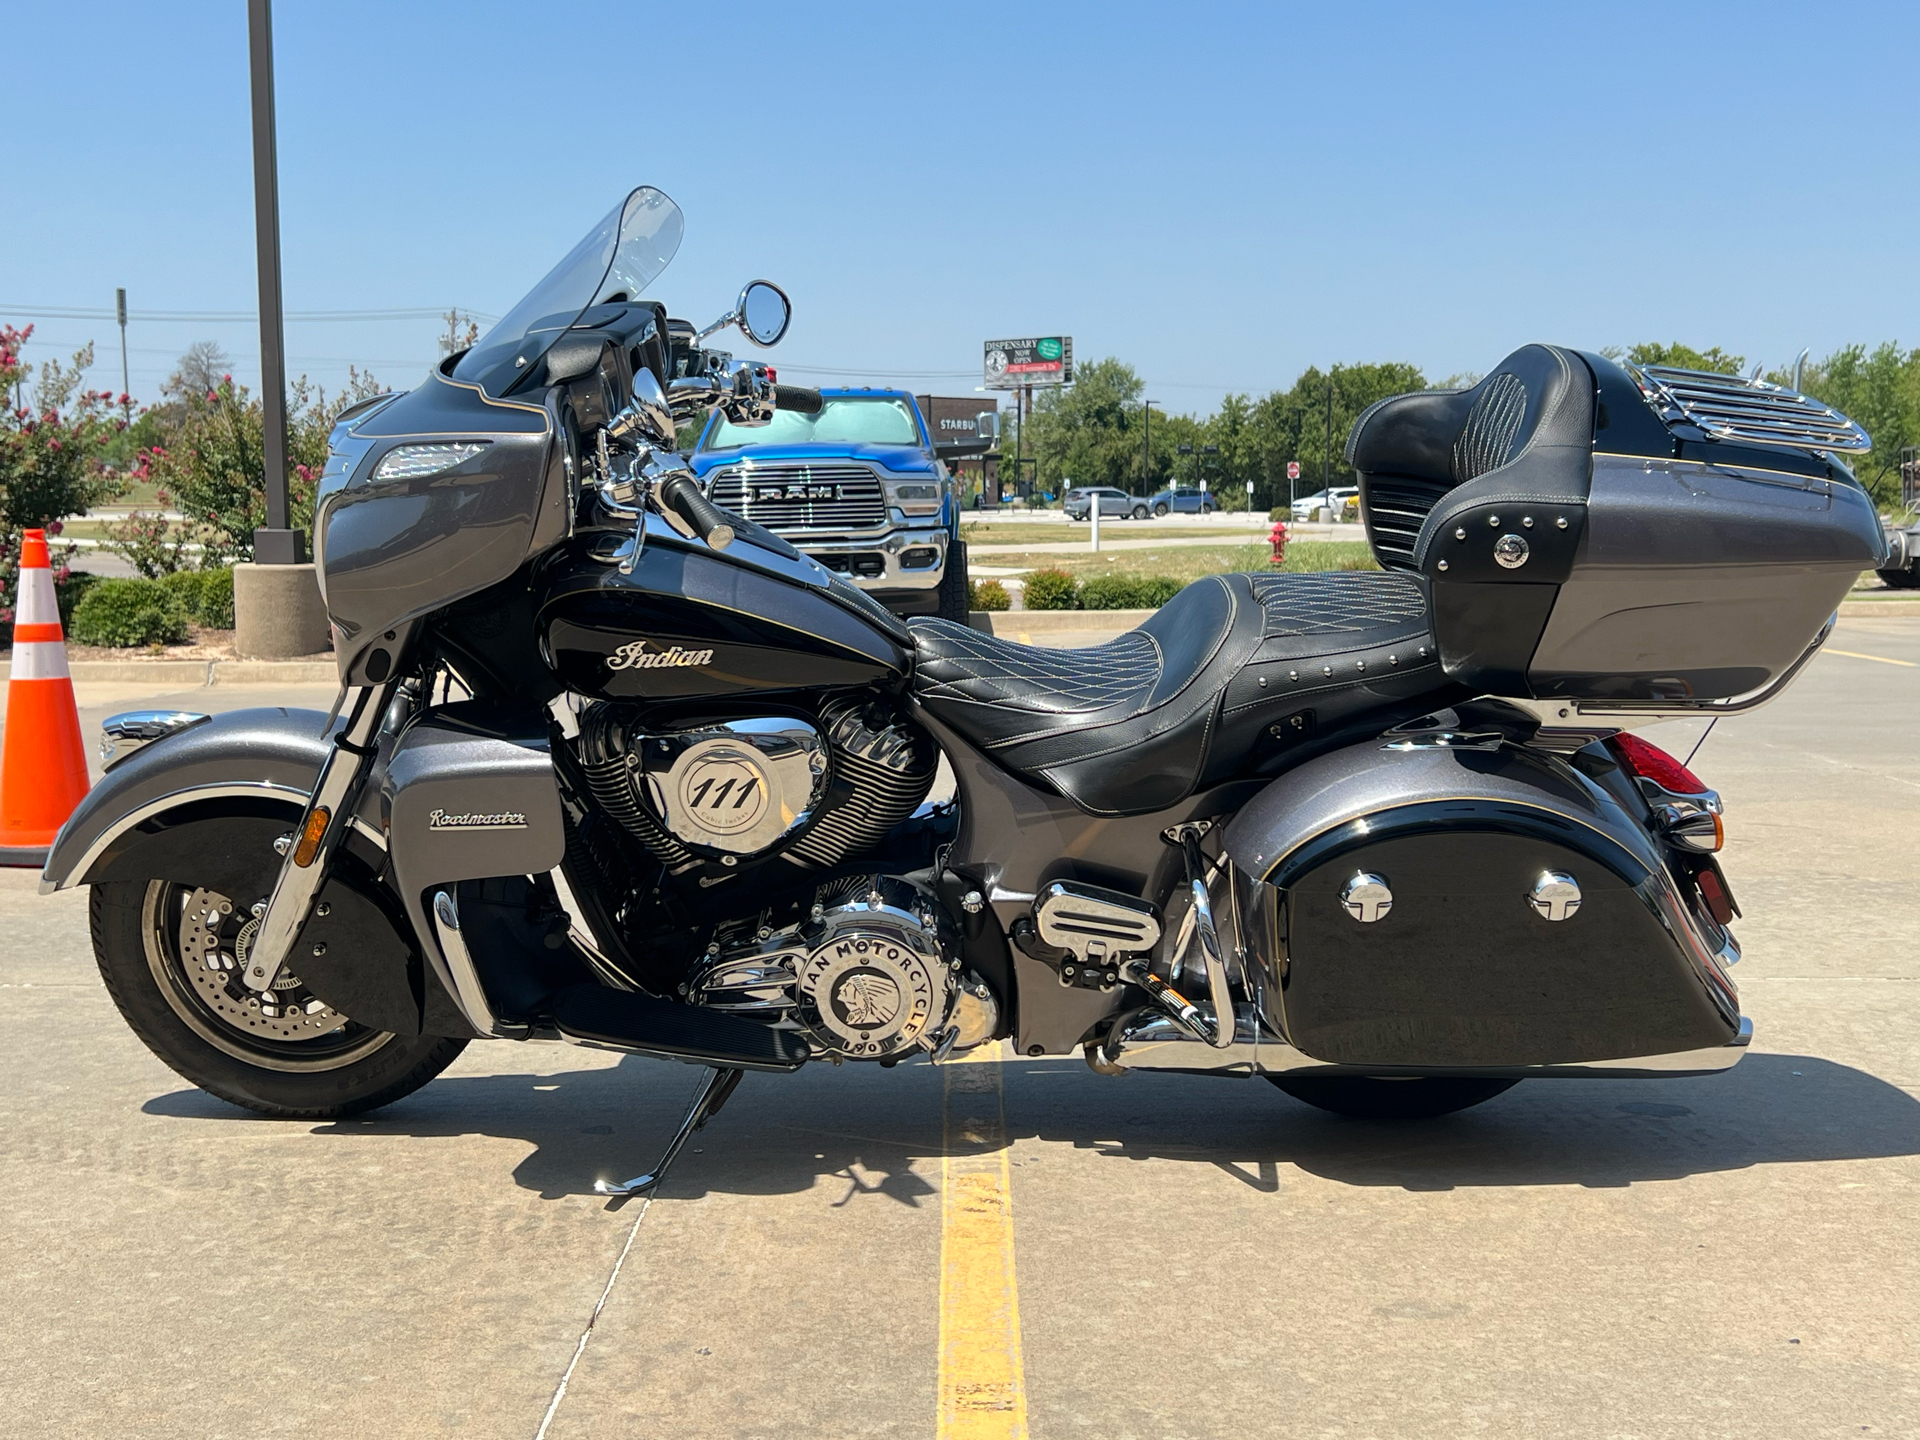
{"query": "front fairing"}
pixel 389 550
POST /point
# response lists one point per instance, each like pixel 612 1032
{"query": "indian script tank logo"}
pixel 638 655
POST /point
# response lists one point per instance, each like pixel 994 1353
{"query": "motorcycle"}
pixel 613 766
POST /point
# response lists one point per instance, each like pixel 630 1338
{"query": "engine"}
pixel 720 792
pixel 869 972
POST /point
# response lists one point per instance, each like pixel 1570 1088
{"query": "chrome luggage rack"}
pixel 1729 407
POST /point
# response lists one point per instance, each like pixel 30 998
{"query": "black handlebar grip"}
pixel 797 397
pixel 707 519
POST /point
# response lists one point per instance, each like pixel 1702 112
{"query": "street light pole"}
pixel 1146 445
pixel 1326 460
pixel 277 543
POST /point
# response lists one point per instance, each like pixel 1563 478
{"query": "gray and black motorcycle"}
pixel 613 766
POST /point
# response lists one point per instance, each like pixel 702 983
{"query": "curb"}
pixel 1058 622
pixel 1853 607
pixel 198 674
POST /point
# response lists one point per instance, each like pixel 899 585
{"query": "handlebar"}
pixel 797 397
pixel 681 494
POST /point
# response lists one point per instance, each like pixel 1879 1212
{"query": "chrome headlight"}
pixel 410 462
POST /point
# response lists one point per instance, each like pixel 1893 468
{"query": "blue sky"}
pixel 1220 194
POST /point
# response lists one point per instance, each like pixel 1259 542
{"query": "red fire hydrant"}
pixel 1277 538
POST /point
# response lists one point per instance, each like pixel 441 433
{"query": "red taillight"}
pixel 1650 762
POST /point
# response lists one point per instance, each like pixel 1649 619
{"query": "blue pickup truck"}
pixel 856 486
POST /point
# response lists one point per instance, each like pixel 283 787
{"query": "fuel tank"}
pixel 690 622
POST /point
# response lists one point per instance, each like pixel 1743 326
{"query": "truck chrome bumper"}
pixel 908 559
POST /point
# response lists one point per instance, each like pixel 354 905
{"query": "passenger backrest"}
pixel 1523 433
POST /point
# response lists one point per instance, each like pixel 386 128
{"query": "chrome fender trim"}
pixel 1151 1041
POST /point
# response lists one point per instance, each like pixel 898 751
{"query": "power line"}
pixel 72 312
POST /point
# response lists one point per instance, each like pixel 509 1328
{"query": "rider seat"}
pixel 1229 673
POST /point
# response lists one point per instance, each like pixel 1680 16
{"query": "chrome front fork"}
pixel 328 815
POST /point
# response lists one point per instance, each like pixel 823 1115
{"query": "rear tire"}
pixel 1899 579
pixel 954 603
pixel 1366 1097
pixel 350 1070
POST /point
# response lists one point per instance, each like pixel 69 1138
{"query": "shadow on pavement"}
pixel 856 1133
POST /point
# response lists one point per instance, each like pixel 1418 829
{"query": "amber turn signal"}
pixel 1697 830
pixel 310 834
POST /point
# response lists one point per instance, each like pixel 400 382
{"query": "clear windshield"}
pixel 844 420
pixel 618 259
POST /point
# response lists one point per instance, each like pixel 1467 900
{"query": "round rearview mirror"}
pixel 764 312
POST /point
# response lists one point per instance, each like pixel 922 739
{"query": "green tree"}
pixel 1294 425
pixel 1087 434
pixel 1879 388
pixel 1685 357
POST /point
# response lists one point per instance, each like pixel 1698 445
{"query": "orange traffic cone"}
pixel 43 764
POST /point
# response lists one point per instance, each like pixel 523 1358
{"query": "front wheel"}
pixel 172 955
pixel 1160 510
pixel 1368 1097
pixel 1139 512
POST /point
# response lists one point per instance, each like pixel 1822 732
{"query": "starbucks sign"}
pixel 1046 360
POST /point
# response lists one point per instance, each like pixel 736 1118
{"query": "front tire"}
pixel 1367 1097
pixel 159 948
pixel 1139 512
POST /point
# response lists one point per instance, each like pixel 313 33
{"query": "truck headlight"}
pixel 915 498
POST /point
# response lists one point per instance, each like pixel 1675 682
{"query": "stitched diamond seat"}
pixel 1222 682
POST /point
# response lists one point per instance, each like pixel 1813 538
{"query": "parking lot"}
pixel 1021 1246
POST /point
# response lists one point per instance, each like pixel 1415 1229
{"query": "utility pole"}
pixel 1326 463
pixel 1146 445
pixel 126 390
pixel 277 543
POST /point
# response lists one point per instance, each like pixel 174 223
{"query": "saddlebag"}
pixel 1442 908
pixel 1583 544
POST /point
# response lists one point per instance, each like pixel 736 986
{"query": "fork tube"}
pixel 304 870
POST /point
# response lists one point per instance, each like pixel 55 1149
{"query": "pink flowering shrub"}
pixel 212 463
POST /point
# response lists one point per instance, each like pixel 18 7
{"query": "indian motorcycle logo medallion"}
pixel 637 655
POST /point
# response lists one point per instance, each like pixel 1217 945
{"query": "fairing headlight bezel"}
pixel 420 460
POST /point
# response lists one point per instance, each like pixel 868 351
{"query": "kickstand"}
pixel 713 1094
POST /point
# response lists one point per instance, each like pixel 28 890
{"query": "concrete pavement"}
pixel 1729 1256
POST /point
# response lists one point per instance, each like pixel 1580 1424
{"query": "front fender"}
pixel 273 754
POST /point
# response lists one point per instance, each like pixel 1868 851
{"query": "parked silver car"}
pixel 1079 503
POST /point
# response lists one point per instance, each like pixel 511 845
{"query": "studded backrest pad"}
pixel 1532 415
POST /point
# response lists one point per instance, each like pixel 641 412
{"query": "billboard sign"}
pixel 1046 360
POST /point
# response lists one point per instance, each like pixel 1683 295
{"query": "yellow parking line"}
pixel 982 1389
pixel 1856 655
